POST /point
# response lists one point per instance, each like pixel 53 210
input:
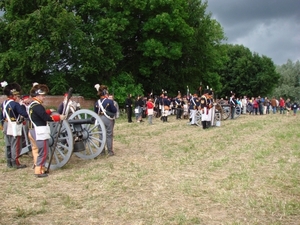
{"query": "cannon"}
pixel 83 134
pixel 226 110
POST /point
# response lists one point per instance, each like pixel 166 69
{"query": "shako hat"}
pixel 35 83
pixel 102 89
pixel 12 89
pixel 39 89
pixel 3 84
pixel 97 86
pixel 206 91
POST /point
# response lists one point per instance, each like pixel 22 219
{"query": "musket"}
pixel 200 89
pixel 187 92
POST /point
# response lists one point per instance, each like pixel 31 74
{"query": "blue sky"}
pixel 267 27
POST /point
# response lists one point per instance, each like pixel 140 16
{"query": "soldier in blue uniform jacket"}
pixel 179 106
pixel 194 104
pixel 15 112
pixel 107 110
pixel 39 118
pixel 166 107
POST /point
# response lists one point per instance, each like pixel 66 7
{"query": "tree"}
pixel 289 81
pixel 247 73
pixel 50 42
pixel 173 44
pixel 205 54
pixel 161 44
pixel 122 85
pixel 38 43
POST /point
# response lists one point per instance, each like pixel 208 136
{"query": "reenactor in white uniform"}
pixel 205 107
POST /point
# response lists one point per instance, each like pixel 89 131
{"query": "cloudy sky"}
pixel 267 27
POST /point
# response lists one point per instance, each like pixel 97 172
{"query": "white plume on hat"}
pixel 34 84
pixel 3 84
pixel 97 86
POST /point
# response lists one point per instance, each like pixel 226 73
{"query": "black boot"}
pixel 8 157
pixel 14 165
pixel 204 124
pixel 111 153
pixel 166 119
pixel 8 163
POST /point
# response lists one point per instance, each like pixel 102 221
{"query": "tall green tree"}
pixel 51 42
pixel 172 45
pixel 160 43
pixel 38 43
pixel 247 73
pixel 205 54
pixel 289 81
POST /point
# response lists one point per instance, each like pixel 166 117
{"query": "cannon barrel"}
pixel 82 121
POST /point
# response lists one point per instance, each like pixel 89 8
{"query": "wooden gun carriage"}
pixel 226 110
pixel 220 111
pixel 83 134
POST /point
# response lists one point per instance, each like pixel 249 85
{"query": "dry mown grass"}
pixel 244 172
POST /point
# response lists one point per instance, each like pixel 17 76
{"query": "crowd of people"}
pixel 186 107
pixel 261 106
pixel 162 106
pixel 28 111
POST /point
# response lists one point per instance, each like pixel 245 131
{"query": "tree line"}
pixel 137 47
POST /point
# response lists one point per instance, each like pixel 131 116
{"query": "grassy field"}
pixel 245 172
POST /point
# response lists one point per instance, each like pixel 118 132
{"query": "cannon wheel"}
pixel 225 111
pixel 64 148
pixel 218 114
pixel 238 111
pixel 218 117
pixel 94 135
pixel 198 118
